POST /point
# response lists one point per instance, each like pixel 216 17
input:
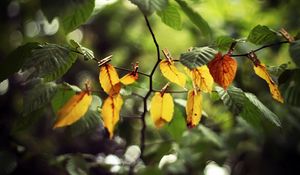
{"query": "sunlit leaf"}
pixel 202 78
pixel 87 53
pixel 197 56
pixel 193 108
pixel 262 35
pixel 223 69
pixel 129 78
pixel 171 17
pixel 196 18
pixel 169 71
pixel 111 112
pixel 149 6
pixel 109 79
pixel 161 109
pixel 73 110
pixel 262 72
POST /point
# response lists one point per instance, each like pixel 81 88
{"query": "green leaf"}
pixel 15 60
pixel 24 122
pixel 294 51
pixel 196 18
pixel 262 35
pixel 87 53
pixel 197 56
pixel 90 121
pixel 212 136
pixel 149 6
pixel 50 61
pixel 38 96
pixel 247 106
pixel 76 165
pixel 171 17
pixel 290 87
pixel 223 42
pixel 277 70
pixel 77 14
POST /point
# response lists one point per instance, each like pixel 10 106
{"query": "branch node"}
pixel 252 56
pixel 163 90
pixel 286 35
pixel 104 60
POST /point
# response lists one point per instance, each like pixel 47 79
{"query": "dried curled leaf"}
pixel 193 108
pixel 202 78
pixel 169 71
pixel 223 69
pixel 262 72
pixel 162 108
pixel 129 78
pixel 111 112
pixel 73 110
pixel 109 79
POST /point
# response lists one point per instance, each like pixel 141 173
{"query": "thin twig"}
pixel 260 48
pixel 128 70
pixel 143 118
pixel 171 91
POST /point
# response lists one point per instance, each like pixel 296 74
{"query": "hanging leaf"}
pixel 223 69
pixel 262 72
pixel 38 96
pixel 78 13
pixel 129 78
pixel 149 6
pixel 87 53
pixel 202 78
pixel 111 112
pixel 109 79
pixel 247 106
pixel 15 60
pixel 262 35
pixel 197 56
pixel 73 110
pixel 196 18
pixel 171 17
pixel 193 108
pixel 50 61
pixel 294 51
pixel 161 109
pixel 169 71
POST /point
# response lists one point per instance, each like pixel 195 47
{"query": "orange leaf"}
pixel 262 72
pixel 129 78
pixel 202 78
pixel 109 79
pixel 73 110
pixel 111 112
pixel 162 108
pixel 169 71
pixel 223 69
pixel 193 108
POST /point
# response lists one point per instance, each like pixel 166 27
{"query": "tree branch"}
pixel 260 48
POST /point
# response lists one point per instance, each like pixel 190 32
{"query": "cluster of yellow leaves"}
pixel 262 72
pixel 110 83
pixel 73 110
pixel 223 69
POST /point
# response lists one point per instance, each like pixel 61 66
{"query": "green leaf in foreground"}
pixel 171 17
pixel 87 53
pixel 16 59
pixel 247 106
pixel 262 35
pixel 196 18
pixel 197 56
pixel 50 61
pixel 294 51
pixel 78 13
pixel 149 6
pixel 223 42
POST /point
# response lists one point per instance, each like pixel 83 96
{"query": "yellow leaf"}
pixel 73 110
pixel 202 78
pixel 111 112
pixel 129 78
pixel 169 71
pixel 262 72
pixel 193 108
pixel 162 108
pixel 109 79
